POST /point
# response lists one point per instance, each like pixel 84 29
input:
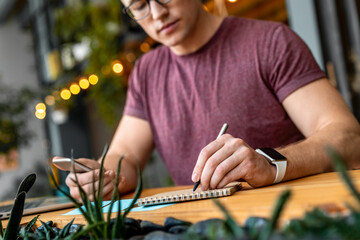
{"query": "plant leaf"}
pixel 27 183
pixel 115 195
pixel 12 228
pixel 341 168
pixel 269 228
pixel 69 196
pixel 137 192
pixel 31 224
pixel 1 230
pixel 65 231
pixel 230 222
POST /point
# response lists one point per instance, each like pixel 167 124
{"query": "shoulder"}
pixel 252 24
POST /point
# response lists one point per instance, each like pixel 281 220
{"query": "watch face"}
pixel 273 153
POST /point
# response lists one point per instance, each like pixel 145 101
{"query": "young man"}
pixel 257 76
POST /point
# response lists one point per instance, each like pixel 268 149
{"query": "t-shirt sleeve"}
pixel 291 62
pixel 135 100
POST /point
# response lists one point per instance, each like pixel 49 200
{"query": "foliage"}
pixel 96 26
pixel 316 224
pixel 14 116
pixel 98 226
pixel 13 226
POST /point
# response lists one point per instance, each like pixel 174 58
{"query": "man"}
pixel 257 76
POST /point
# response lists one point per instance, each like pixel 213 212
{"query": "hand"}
pixel 86 180
pixel 230 159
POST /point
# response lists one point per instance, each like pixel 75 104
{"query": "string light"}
pixel 40 107
pixel 65 94
pixel 40 115
pixel 93 79
pixel 40 110
pixel 50 100
pixel 117 67
pixel 84 83
pixel 74 88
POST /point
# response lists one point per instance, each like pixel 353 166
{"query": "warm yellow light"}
pixel 40 111
pixel 65 94
pixel 74 88
pixel 145 47
pixel 84 83
pixel 40 115
pixel 118 67
pixel 93 79
pixel 50 100
pixel 232 1
pixel 40 106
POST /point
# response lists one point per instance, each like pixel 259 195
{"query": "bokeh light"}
pixel 93 79
pixel 117 67
pixel 84 83
pixel 50 100
pixel 40 115
pixel 74 88
pixel 145 47
pixel 40 107
pixel 65 94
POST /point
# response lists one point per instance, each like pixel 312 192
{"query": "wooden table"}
pixel 307 193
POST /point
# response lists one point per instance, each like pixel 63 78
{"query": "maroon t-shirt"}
pixel 240 77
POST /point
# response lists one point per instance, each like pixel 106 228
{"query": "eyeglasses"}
pixel 140 9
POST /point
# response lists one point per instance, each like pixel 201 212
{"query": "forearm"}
pixel 309 157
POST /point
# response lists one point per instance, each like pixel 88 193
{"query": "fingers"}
pixel 205 154
pixel 222 161
pixel 89 182
pixel 230 159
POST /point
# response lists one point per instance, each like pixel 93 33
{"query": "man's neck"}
pixel 203 31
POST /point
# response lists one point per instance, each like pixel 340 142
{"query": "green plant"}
pixel 12 229
pixel 14 117
pixel 98 27
pixel 98 226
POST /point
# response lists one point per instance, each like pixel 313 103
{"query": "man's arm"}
pixel 133 138
pixel 320 114
pixel 323 117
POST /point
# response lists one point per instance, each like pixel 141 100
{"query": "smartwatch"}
pixel 277 159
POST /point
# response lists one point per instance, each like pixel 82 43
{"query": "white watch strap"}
pixel 279 164
pixel 280 170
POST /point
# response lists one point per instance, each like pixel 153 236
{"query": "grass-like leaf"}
pixel 270 228
pixel 1 230
pixel 76 203
pixel 137 193
pixel 87 230
pixel 26 183
pixel 341 168
pixel 12 228
pixel 65 231
pixel 118 226
pixel 235 229
pixel 31 224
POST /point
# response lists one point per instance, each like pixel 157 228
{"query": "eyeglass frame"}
pixel 126 9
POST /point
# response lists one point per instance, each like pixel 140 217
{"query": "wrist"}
pixel 276 159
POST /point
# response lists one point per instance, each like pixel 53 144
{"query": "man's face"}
pixel 171 24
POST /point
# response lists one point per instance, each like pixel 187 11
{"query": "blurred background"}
pixel 64 67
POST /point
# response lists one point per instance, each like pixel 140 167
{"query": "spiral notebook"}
pixel 188 195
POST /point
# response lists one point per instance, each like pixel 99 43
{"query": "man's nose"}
pixel 157 10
